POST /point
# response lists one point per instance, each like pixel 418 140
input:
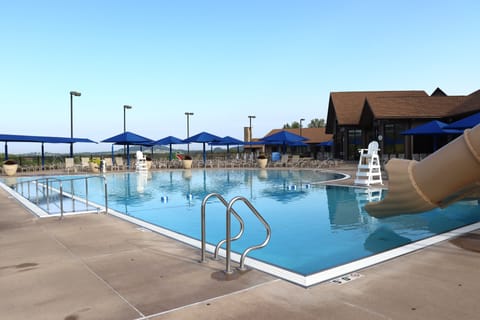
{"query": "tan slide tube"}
pixel 448 175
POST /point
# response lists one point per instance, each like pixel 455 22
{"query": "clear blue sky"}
pixel 222 60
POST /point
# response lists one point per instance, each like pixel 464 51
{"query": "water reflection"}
pixel 383 239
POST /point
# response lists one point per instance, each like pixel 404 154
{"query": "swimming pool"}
pixel 315 227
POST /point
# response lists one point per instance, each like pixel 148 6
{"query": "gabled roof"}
pixel 346 107
pixel 438 93
pixel 413 107
pixel 314 135
pixel 470 105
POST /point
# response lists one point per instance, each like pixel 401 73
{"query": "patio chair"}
pixel 119 163
pixel 70 165
pixel 85 163
pixel 108 164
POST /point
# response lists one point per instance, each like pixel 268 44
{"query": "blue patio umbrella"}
pixel 283 138
pixel 328 143
pixel 465 123
pixel 227 141
pixel 203 137
pixel 129 138
pixel 169 141
pixel 432 128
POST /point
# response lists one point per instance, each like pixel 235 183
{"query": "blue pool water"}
pixel 314 226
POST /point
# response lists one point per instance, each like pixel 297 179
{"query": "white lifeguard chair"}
pixel 369 171
pixel 141 163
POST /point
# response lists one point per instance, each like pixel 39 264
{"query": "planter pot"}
pixel 187 164
pixel 94 167
pixel 262 163
pixel 10 169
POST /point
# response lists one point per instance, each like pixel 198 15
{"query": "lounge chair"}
pixel 119 163
pixel 85 165
pixel 70 165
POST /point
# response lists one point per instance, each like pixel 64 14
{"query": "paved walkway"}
pixel 100 267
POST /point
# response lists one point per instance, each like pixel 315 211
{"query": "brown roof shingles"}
pixel 413 107
pixel 348 106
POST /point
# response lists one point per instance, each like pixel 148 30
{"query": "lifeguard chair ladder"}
pixel 369 171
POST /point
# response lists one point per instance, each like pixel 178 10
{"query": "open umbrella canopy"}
pixel 284 138
pixel 465 123
pixel 129 138
pixel 227 141
pixel 431 128
pixel 168 141
pixel 328 143
pixel 203 137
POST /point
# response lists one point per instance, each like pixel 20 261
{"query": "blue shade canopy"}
pixel 328 143
pixel 465 123
pixel 168 141
pixel 431 128
pixel 44 139
pixel 40 139
pixel 227 140
pixel 129 138
pixel 297 144
pixel 203 137
pixel 284 137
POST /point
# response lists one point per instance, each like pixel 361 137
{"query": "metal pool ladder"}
pixel 228 238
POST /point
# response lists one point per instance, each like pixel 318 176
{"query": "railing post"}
pixel 48 196
pixel 61 201
pixel 228 269
pixel 106 194
pixel 72 192
pixel 86 193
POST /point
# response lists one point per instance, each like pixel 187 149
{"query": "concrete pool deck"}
pixel 100 267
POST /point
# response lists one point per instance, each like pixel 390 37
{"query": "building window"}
pixel 393 141
pixel 354 143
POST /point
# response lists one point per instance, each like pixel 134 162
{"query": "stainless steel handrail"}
pixel 228 238
pixel 203 227
pixel 254 247
pixel 47 184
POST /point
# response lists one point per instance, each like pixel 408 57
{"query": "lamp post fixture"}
pixel 301 120
pixel 125 107
pixel 188 114
pixel 250 128
pixel 76 94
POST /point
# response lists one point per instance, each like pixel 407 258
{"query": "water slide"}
pixel 450 174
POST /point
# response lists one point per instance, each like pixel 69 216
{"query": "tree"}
pixel 294 125
pixel 317 123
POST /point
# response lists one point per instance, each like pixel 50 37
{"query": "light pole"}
pixel 125 107
pixel 301 120
pixel 188 114
pixel 76 94
pixel 250 128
